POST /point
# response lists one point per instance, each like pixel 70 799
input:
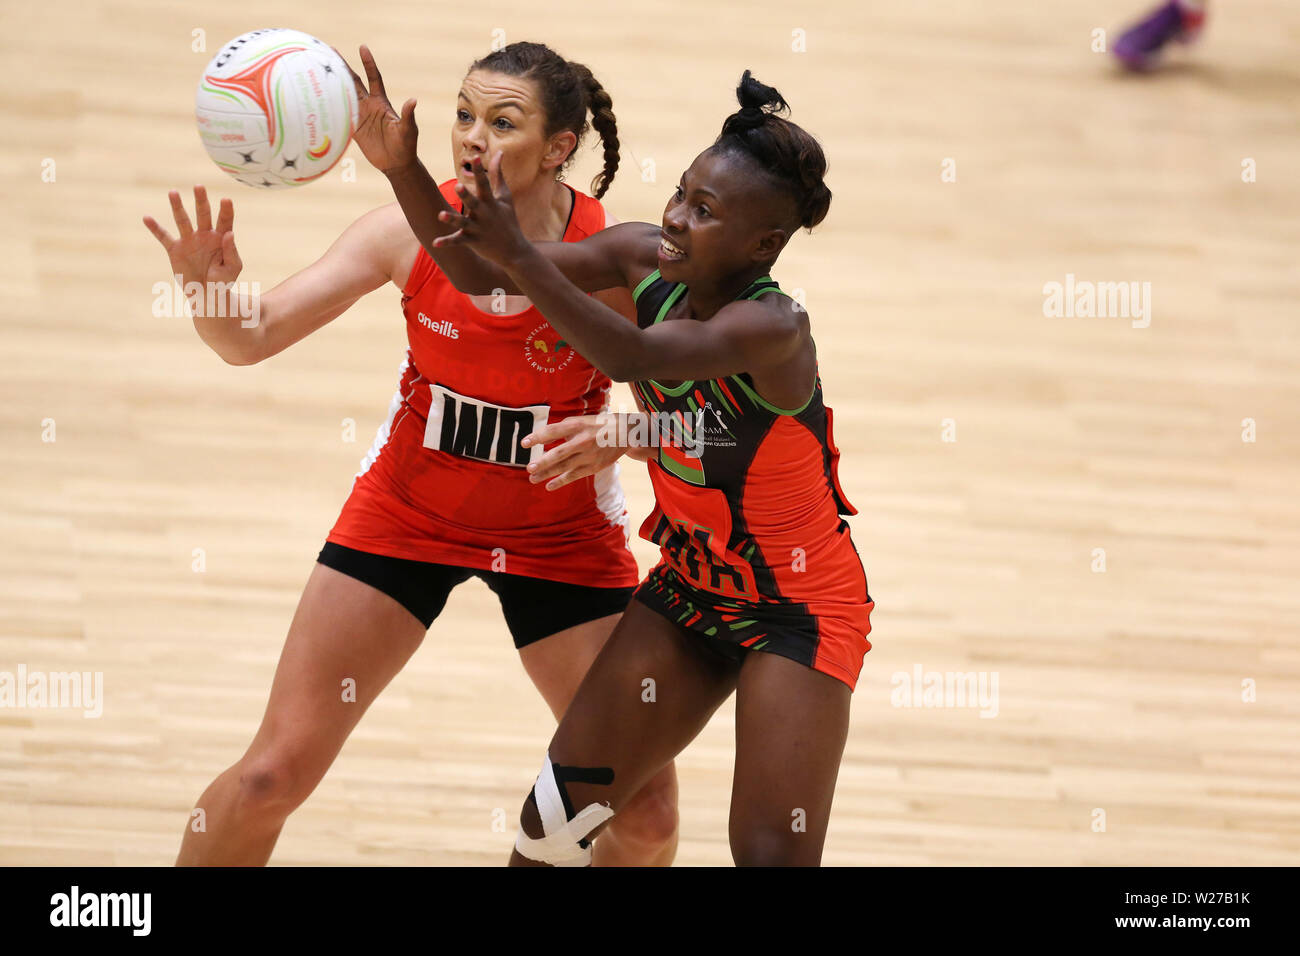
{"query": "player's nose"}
pixel 476 137
pixel 675 219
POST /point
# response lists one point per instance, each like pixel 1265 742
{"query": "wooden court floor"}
pixel 1146 713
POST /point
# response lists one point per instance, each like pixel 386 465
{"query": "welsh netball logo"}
pixel 545 351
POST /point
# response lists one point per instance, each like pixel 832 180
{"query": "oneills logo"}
pixel 443 327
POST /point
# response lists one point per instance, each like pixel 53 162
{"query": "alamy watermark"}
pixel 218 300
pixel 1086 299
pixel 646 430
pixel 75 908
pixel 921 688
pixel 25 689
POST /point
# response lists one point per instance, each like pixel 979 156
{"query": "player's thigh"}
pixel 347 641
pixel 558 663
pixel 791 726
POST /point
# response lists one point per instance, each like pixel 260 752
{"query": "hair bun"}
pixel 747 118
pixel 757 102
pixel 785 152
pixel 759 97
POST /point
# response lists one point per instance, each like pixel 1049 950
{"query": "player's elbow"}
pixel 231 357
pixel 247 351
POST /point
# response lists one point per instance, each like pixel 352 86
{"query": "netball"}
pixel 275 108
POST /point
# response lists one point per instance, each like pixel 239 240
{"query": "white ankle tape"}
pixel 561 844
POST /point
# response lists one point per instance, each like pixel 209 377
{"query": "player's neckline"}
pixel 564 237
pixel 678 290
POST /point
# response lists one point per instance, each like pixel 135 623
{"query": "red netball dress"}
pixel 445 480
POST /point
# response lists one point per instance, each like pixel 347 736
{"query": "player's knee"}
pixel 761 846
pixel 530 824
pixel 270 783
pixel 548 832
pixel 650 818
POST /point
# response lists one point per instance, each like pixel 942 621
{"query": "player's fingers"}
pixel 457 238
pixel 159 233
pixel 229 254
pixel 408 113
pixel 481 178
pixel 552 431
pixel 180 215
pixel 202 211
pixel 567 478
pixel 453 219
pixel 226 216
pixel 467 196
pixel 356 80
pixel 549 464
pixel 372 72
pixel 499 188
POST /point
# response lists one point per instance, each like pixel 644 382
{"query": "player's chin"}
pixel 674 270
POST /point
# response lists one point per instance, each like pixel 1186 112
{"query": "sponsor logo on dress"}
pixel 442 327
pixel 710 429
pixel 472 428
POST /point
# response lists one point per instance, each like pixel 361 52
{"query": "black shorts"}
pixel 534 608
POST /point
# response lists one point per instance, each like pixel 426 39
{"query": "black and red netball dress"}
pixel 754 552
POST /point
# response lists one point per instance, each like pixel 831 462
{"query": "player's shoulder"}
pixel 774 312
pixel 643 232
pixel 380 231
pixel 390 219
pixel 588 216
pixel 387 237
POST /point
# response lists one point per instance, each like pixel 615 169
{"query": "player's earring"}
pixel 559 175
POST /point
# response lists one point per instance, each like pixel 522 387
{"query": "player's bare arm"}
pixel 361 260
pixel 751 336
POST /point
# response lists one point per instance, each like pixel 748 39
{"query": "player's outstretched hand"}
pixel 587 445
pixel 204 253
pixel 386 139
pixel 488 222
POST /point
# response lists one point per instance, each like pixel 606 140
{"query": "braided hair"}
pixel 787 153
pixel 568 92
